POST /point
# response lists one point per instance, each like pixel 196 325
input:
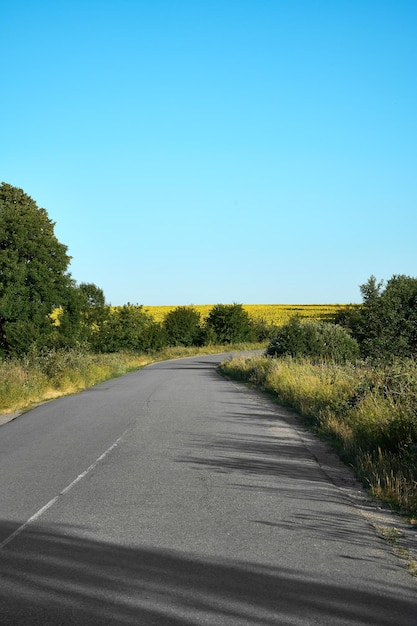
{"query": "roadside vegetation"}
pixel 355 387
pixel 38 377
pixel 351 371
pixel 369 413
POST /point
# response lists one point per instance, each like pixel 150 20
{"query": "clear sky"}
pixel 217 151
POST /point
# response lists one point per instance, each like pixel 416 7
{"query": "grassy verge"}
pixel 39 377
pixel 368 413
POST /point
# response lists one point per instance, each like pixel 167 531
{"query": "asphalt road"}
pixel 172 496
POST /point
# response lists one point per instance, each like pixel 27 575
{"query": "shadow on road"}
pixel 257 457
pixel 51 576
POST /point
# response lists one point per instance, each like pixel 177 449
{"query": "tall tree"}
pixel 33 272
pixel 386 323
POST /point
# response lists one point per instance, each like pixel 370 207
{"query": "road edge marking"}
pixel 68 488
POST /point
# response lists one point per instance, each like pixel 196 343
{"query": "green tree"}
pixel 94 311
pixel 182 326
pixel 386 323
pixel 229 323
pixel 33 272
pixel 82 314
pixel 94 296
pixel 129 328
pixel 72 327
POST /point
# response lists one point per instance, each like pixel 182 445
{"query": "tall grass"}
pixel 368 413
pixel 46 375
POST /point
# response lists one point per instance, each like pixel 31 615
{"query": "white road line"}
pixel 51 503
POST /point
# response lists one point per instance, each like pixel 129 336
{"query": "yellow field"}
pixel 277 314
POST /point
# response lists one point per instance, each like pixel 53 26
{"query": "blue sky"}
pixel 206 151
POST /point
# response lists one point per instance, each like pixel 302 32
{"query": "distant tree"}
pixel 33 272
pixel 229 323
pixel 386 323
pixel 182 326
pixel 128 328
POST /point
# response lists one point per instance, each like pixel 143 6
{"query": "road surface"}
pixel 172 496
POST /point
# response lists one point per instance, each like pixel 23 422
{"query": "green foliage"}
pixel 393 388
pixel 73 327
pixel 347 316
pixel 229 323
pixel 33 271
pixel 128 328
pixel 94 296
pixel 320 340
pixel 49 373
pixel 386 323
pixel 263 330
pixel 182 327
pixel 93 311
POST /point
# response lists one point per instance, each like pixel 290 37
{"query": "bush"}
pixel 229 323
pixel 128 328
pixel 320 340
pixel 182 327
pixel 263 330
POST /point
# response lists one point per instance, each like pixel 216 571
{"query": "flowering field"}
pixel 277 314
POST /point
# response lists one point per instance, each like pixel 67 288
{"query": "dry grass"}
pixel 58 372
pixel 369 415
pixel 39 377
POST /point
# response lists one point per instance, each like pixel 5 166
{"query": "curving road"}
pixel 171 496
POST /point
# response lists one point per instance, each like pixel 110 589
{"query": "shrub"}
pixel 129 328
pixel 229 323
pixel 320 340
pixel 182 327
pixel 263 330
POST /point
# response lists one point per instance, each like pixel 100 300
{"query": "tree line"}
pixel 383 327
pixel 41 307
